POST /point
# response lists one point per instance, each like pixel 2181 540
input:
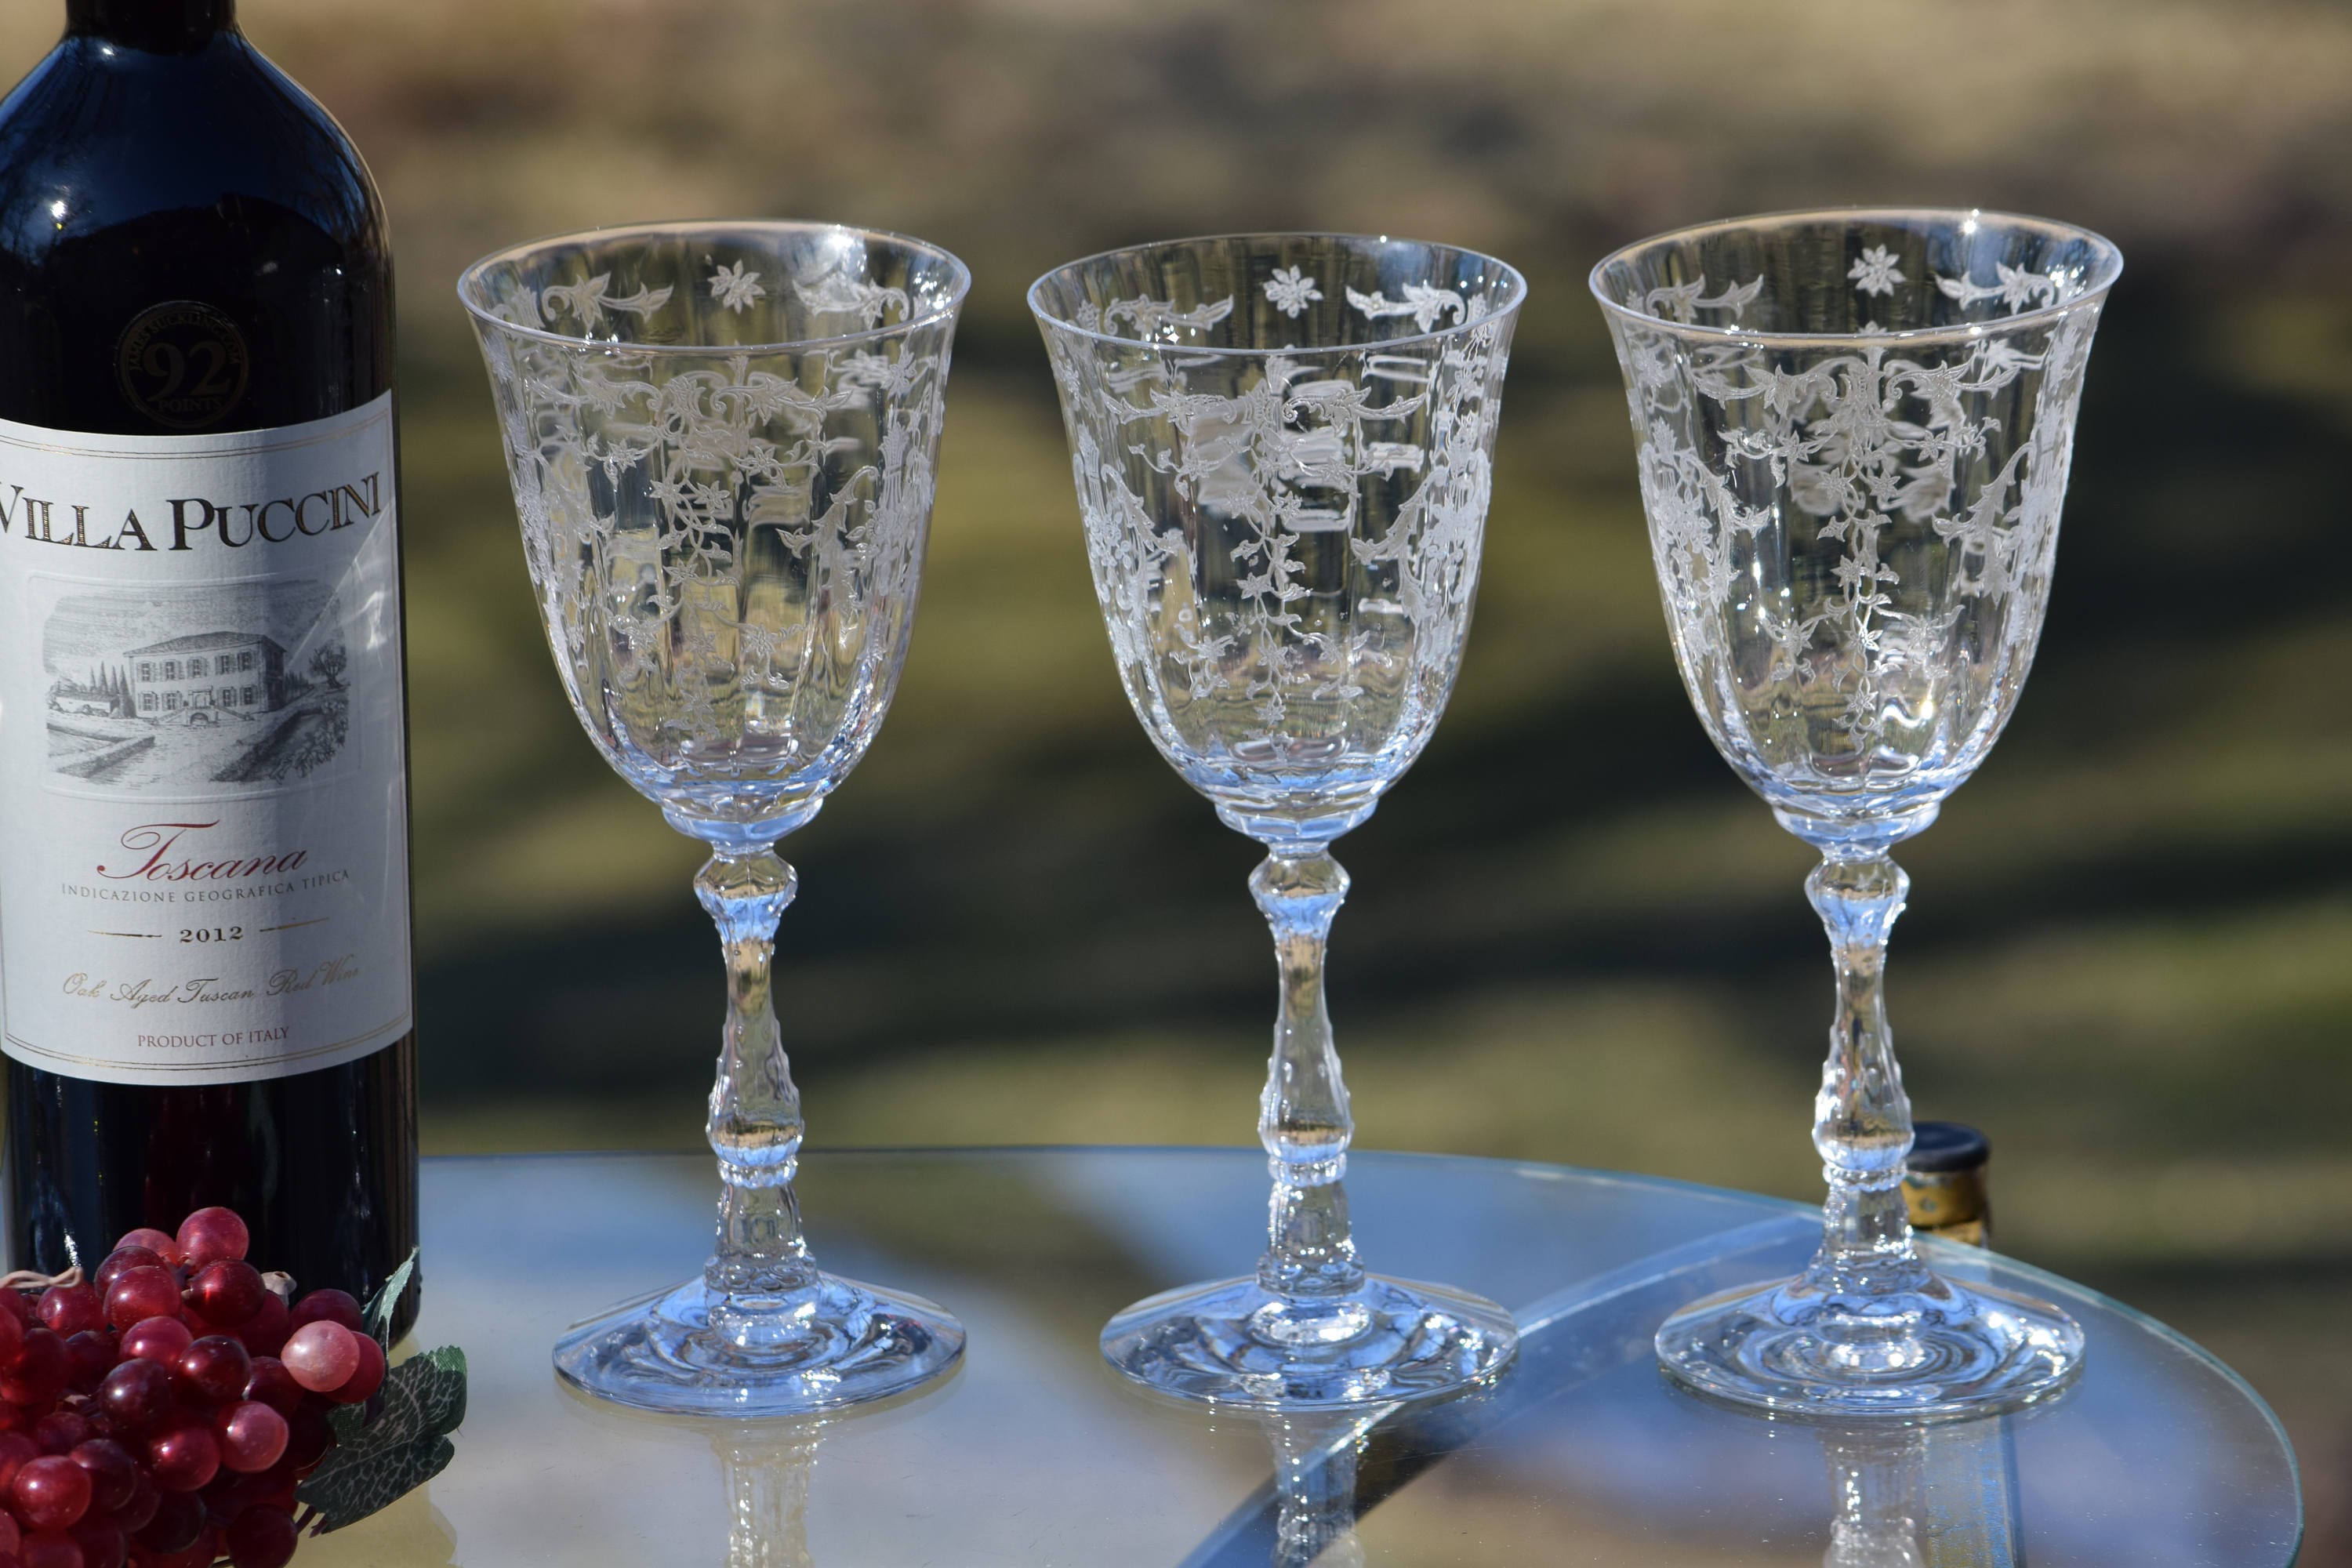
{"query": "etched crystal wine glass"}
pixel 1854 429
pixel 721 438
pixel 1282 447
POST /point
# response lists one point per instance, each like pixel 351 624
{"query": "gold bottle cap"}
pixel 1945 1182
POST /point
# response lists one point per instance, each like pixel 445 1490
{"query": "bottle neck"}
pixel 170 27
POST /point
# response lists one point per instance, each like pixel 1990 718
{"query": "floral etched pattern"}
pixel 1684 301
pixel 586 302
pixel 2015 287
pixel 1291 290
pixel 736 286
pixel 1423 302
pixel 1157 319
pixel 837 293
pixel 1874 271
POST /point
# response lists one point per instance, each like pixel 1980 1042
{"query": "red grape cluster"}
pixel 160 1414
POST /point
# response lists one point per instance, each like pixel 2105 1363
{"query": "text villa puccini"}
pixel 193 521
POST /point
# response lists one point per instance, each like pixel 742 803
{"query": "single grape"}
pixel 136 1396
pixel 178 1522
pixel 51 1493
pixel 260 1537
pixel 61 1431
pixel 161 1243
pixel 272 1384
pixel 69 1308
pixel 265 1333
pixel 226 1497
pixel 333 1306
pixel 182 1457
pixel 160 1339
pixel 366 1378
pixel 198 1328
pixel 16 1450
pixel 274 1486
pixel 146 1498
pixel 123 1258
pixel 141 1293
pixel 12 1330
pixel 322 1355
pixel 308 1437
pixel 202 1554
pixel 209 1234
pixel 90 1356
pixel 102 1542
pixel 49 1549
pixel 113 1472
pixel 228 1293
pixel 252 1437
pixel 212 1370
pixel 39 1371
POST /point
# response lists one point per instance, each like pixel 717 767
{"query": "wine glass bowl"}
pixel 730 432
pixel 1852 459
pixel 721 440
pixel 1855 430
pixel 1282 447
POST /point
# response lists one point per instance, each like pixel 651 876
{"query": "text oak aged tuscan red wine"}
pixel 204 969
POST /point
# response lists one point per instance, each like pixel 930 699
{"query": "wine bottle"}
pixel 205 943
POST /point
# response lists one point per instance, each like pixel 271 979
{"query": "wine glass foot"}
pixel 1236 1343
pixel 1938 1350
pixel 687 1351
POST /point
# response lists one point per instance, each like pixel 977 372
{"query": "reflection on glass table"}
pixel 767 1467
pixel 1035 1452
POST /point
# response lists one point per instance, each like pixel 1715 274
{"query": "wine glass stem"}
pixel 755 1126
pixel 1303 1117
pixel 1861 1120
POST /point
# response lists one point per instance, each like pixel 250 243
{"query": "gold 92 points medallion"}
pixel 182 363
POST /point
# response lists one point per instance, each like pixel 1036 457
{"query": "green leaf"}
pixel 377 1314
pixel 375 1462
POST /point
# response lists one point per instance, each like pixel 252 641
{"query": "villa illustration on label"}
pixel 163 689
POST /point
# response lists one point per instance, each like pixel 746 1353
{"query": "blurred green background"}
pixel 1574 937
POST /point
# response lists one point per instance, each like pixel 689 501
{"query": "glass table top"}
pixel 1034 1453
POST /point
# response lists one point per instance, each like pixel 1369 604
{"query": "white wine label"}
pixel 204 857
